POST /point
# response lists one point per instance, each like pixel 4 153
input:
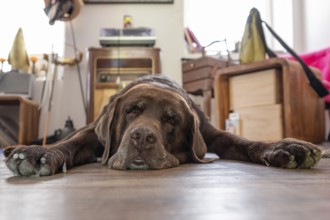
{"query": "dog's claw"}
pixel 266 162
pixel 15 156
pixel 21 156
pixel 43 160
pixel 64 170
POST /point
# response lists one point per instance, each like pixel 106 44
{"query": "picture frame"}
pixel 128 1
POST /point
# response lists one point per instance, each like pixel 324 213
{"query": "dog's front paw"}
pixel 292 153
pixel 34 160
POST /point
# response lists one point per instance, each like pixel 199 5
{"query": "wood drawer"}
pixel 254 89
pixel 201 85
pixel 262 123
pixel 200 69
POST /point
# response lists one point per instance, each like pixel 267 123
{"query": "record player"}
pixel 111 37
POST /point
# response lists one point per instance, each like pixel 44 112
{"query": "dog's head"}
pixel 150 126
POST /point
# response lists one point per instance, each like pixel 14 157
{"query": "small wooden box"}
pixel 273 99
pixel 198 77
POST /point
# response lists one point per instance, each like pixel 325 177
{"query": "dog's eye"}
pixel 134 110
pixel 172 120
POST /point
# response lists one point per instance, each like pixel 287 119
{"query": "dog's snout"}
pixel 143 138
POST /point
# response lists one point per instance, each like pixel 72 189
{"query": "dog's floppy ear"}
pixel 105 128
pixel 198 146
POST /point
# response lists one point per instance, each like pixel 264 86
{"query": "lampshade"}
pixel 62 10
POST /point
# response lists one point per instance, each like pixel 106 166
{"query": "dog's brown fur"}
pixel 153 124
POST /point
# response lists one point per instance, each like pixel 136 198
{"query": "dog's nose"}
pixel 143 138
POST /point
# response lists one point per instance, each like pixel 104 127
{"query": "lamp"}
pixel 62 10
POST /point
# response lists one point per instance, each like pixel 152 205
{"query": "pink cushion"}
pixel 321 60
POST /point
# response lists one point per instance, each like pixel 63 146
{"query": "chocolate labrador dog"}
pixel 153 124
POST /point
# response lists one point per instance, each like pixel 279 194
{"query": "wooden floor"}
pixel 220 190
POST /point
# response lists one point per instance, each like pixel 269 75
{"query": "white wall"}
pixel 166 19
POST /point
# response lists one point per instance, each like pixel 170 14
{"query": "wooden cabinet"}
pixel 23 117
pixel 110 69
pixel 273 99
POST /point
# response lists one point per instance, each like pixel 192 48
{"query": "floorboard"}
pixel 220 190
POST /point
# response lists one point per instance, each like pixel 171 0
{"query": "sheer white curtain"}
pixel 39 36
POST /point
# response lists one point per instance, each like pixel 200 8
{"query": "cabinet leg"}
pixel 207 95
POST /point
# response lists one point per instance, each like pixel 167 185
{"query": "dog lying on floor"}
pixel 153 124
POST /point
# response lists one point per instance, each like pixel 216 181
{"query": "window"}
pixel 39 36
pixel 212 20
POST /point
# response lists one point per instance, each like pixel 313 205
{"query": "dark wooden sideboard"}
pixel 24 117
pixel 111 68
